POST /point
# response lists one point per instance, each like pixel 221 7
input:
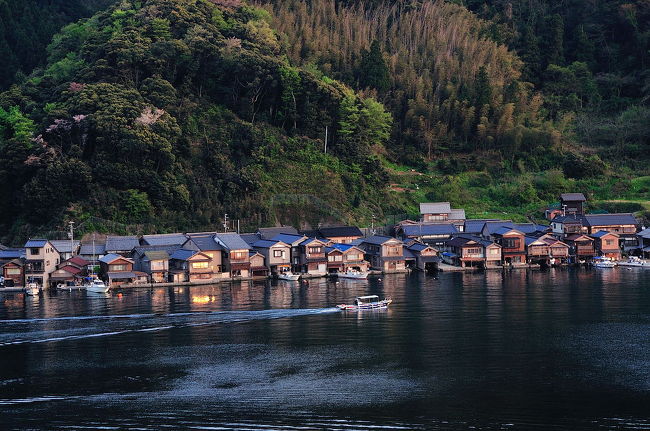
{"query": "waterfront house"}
pixel 426 257
pixel 294 242
pixel 345 257
pixel 70 271
pixel 566 225
pixel 432 234
pixel 258 266
pixel 92 252
pixel 154 263
pixel 12 272
pixel 41 259
pixel 513 245
pixel 268 233
pixel 166 239
pixel 277 255
pixel 643 238
pixel 572 203
pixel 206 243
pixel 625 225
pixel 607 244
pixel 384 253
pixel 467 252
pixel 441 212
pixel 336 234
pixel 234 255
pixel 66 248
pixel 189 265
pixel 313 260
pixel 118 270
pixel 581 247
pixel 122 245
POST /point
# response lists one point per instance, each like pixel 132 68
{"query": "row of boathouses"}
pixel 442 237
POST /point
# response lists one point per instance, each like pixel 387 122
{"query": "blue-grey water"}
pixel 521 350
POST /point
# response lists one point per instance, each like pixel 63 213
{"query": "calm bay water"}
pixel 556 349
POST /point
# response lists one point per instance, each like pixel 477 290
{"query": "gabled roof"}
pixel 491 226
pixel 528 228
pixel 64 245
pixel 17 262
pixel 12 253
pixel 77 260
pixel 262 243
pixel 476 226
pixel 121 243
pixel 183 254
pixel 379 239
pixel 575 236
pixel 645 233
pixel 573 197
pixel 288 238
pixel 231 241
pixel 270 232
pixel 408 254
pixel 418 246
pixel 528 240
pixel 458 241
pixel 310 240
pixel 568 219
pixel 429 229
pixel 435 208
pixel 457 214
pixel 339 231
pixel 169 249
pixel 164 239
pixel 87 249
pixel 602 233
pixel 35 243
pixel 205 243
pixel 71 269
pixel 250 238
pixel 112 257
pixel 156 255
pixel 342 247
pixel 610 219
pixel 504 230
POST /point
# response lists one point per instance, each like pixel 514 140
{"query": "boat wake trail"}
pixel 47 330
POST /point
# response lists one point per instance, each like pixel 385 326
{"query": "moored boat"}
pixel 365 303
pixel 97 286
pixel 32 289
pixel 634 261
pixel 290 276
pixel 359 275
pixel 603 262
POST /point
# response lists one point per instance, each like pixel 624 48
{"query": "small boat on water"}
pixel 359 275
pixel 70 288
pixel 635 262
pixel 603 262
pixel 288 276
pixel 366 303
pixel 97 286
pixel 32 289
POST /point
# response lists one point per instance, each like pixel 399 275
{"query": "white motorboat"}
pixel 70 288
pixel 635 262
pixel 32 289
pixel 359 275
pixel 290 276
pixel 97 286
pixel 366 303
pixel 603 262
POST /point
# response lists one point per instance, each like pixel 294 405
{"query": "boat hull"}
pixel 289 277
pixel 97 289
pixel 354 276
pixel 604 265
pixel 370 306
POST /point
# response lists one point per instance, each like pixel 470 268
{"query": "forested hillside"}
pixel 27 27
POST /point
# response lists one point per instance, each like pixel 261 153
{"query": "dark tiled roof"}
pixel 121 243
pixel 528 228
pixel 610 219
pixel 156 255
pixel 408 254
pixel 476 226
pixel 35 243
pixel 288 238
pixel 573 197
pixel 112 257
pixel 504 230
pixel 164 239
pixel 429 229
pixel 262 243
pixel 569 219
pixel 644 233
pixel 435 208
pixel 378 239
pixel 270 232
pixel 12 253
pixel 64 245
pixel 339 231
pixel 601 233
pixel 87 249
pixel 232 241
pixel 492 226
pixel 206 243
pixel 457 214
pixel 460 241
pixel 77 260
pixel 182 254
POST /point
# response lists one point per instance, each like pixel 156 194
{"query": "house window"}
pixel 200 265
pixel 13 271
pixel 510 243
pixel 34 251
pixel 278 253
pixel 494 251
pixel 118 267
pixel 393 251
pixel 469 251
pixel 609 242
pixel 238 255
pixel 353 257
pixel 314 250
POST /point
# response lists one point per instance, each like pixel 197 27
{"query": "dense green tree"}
pixel 373 71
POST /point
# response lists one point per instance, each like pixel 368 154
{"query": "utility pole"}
pixel 71 235
pixel 225 222
pixel 325 139
pixel 564 210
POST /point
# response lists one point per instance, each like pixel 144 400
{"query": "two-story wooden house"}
pixel 572 203
pixel 294 242
pixel 643 239
pixel 513 245
pixel 258 268
pixel 154 263
pixel 12 273
pixel 426 257
pixel 313 260
pixel 607 244
pixel 384 253
pixel 118 270
pixel 345 257
pixel 66 248
pixel 467 252
pixel 207 244
pixel 41 259
pixel 277 255
pixel 625 225
pixel 189 265
pixel 70 271
pixel 235 256
pixel 441 212
pixel 581 247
